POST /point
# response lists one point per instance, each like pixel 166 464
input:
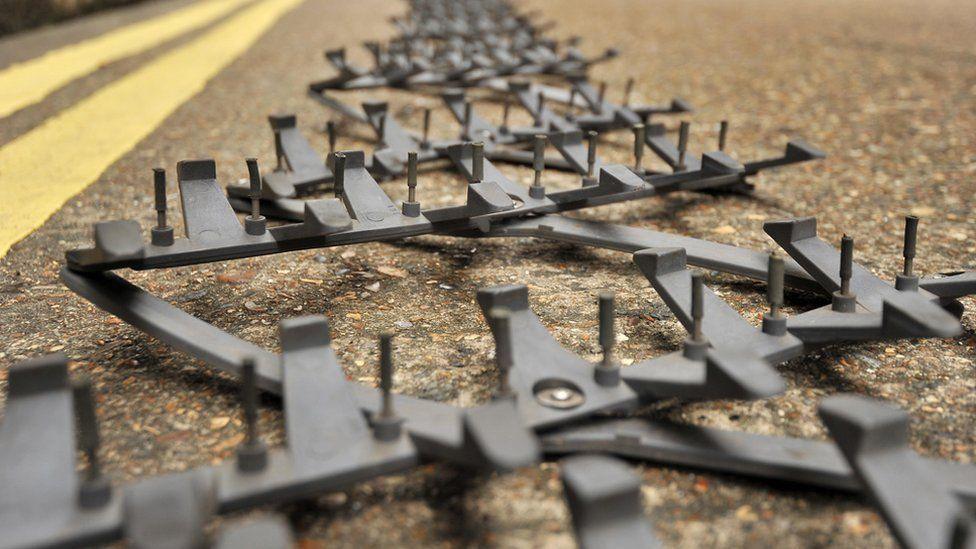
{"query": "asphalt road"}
pixel 885 87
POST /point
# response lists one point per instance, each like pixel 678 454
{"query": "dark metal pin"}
pixel 774 322
pixel 467 119
pixel 330 129
pixel 607 373
pixel 537 190
pixel 279 151
pixel 255 224
pixel 682 144
pixel 639 132
pixel 723 133
pixel 628 89
pixel 696 346
pixel 382 127
pixel 572 100
pixel 542 105
pixel 411 208
pixel 162 233
pixel 505 112
pixel 602 94
pixel 426 141
pixel 504 359
pixel 846 264
pixel 907 281
pixel 591 153
pixel 339 170
pixel 844 300
pixel 252 454
pixel 477 162
pixel 387 425
pixel 697 306
pixel 95 490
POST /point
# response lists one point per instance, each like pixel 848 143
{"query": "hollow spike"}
pixel 504 360
pixel 682 143
pixel 846 264
pixel 590 152
pixel 255 177
pixel 774 284
pixel 723 134
pixel 538 158
pixel 412 176
pixel 249 399
pixel 603 92
pixel 505 112
pixel 426 142
pixel 638 147
pixel 386 375
pixel 606 327
pixel 330 128
pixel 628 89
pixel 279 151
pixel 908 251
pixel 697 306
pixel 477 162
pixel 88 438
pixel 159 188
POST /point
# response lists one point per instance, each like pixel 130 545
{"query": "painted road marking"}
pixel 42 169
pixel 26 83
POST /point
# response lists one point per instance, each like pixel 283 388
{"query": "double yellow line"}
pixel 41 169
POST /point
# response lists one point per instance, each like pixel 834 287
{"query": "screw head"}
pixel 559 395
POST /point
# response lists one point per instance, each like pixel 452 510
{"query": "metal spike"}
pixel 410 207
pixel 591 152
pixel 697 306
pixel 602 94
pixel 386 424
pixel 426 141
pixel 159 188
pixel 255 224
pixel 95 490
pixel 412 176
pixel 505 112
pixel 504 359
pixel 846 264
pixel 542 105
pixel 279 151
pixel 723 133
pixel 774 322
pixel 907 281
pixel 628 89
pixel 774 284
pixel 252 454
pixel 682 144
pixel 639 133
pixel 162 233
pixel 339 170
pixel 606 327
pixel 467 119
pixel 477 162
pixel 382 127
pixel 330 129
pixel 572 100
pixel 386 374
pixel 908 250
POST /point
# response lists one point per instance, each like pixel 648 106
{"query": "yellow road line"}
pixel 42 169
pixel 24 84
